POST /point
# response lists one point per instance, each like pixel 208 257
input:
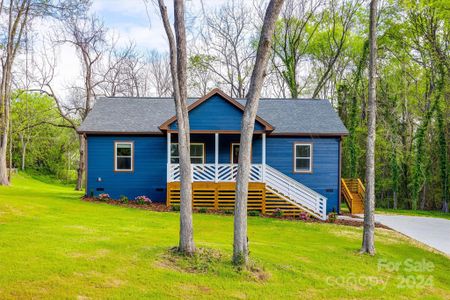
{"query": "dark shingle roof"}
pixel 145 115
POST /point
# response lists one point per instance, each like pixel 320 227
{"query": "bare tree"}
pixel 227 46
pixel 368 243
pixel 123 72
pixel 178 65
pixel 87 35
pixel 158 74
pixel 240 246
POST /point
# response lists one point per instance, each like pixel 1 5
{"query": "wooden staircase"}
pixel 353 192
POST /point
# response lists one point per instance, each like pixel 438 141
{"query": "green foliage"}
pixel 203 210
pixel 253 213
pixel 277 213
pixel 412 90
pixel 123 199
pixel 40 139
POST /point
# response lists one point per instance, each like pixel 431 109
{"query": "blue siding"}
pixel 216 113
pixel 325 175
pixel 225 141
pixel 148 178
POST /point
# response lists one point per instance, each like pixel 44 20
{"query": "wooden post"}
pixel 169 140
pixel 216 157
pixel 263 161
pixel 263 208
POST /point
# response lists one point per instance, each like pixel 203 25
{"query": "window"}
pixel 123 153
pixel 197 153
pixel 302 158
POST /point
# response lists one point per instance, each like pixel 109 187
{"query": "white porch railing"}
pixel 277 182
pixel 209 172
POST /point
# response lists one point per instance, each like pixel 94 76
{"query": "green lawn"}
pixel 420 213
pixel 52 245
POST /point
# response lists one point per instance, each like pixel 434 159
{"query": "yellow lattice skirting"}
pixel 221 196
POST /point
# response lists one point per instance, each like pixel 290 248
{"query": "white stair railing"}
pixel 295 192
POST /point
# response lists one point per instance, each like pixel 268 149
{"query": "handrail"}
pixel 347 194
pixel 296 193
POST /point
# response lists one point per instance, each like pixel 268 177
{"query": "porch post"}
pixel 216 157
pixel 263 161
pixel 168 155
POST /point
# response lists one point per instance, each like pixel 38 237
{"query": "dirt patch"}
pixel 203 261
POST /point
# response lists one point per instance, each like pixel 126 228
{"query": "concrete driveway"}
pixel 434 232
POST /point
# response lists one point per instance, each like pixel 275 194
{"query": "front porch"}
pixel 216 157
pixel 214 170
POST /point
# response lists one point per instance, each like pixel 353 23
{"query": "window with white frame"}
pixel 302 157
pixel 123 153
pixel 197 153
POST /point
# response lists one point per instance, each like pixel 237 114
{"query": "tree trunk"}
pixel 424 196
pixel 395 199
pixel 24 151
pixel 240 246
pixel 186 244
pixel 178 63
pixel 3 169
pixel 368 243
pixel 81 163
pixel 5 101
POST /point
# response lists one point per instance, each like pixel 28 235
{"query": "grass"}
pixel 53 246
pixel 420 213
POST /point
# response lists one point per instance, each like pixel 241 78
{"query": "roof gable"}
pixel 216 111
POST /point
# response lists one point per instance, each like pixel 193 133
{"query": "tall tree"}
pixel 368 243
pixel 88 35
pixel 178 66
pixel 299 21
pixel 17 17
pixel 240 246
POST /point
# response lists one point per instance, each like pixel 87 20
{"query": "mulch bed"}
pixel 161 207
pixel 153 206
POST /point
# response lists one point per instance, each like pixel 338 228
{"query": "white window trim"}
pixel 310 170
pixel 203 157
pixel 116 156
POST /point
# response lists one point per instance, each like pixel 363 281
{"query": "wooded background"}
pixel 320 51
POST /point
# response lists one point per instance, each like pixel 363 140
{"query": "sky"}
pixel 127 20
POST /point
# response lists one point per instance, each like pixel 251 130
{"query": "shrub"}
pixel 175 208
pixel 332 217
pixel 103 197
pixel 123 199
pixel 278 213
pixel 203 210
pixel 304 216
pixel 228 212
pixel 142 200
pixel 253 213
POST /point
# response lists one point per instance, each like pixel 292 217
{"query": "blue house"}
pixel 296 153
